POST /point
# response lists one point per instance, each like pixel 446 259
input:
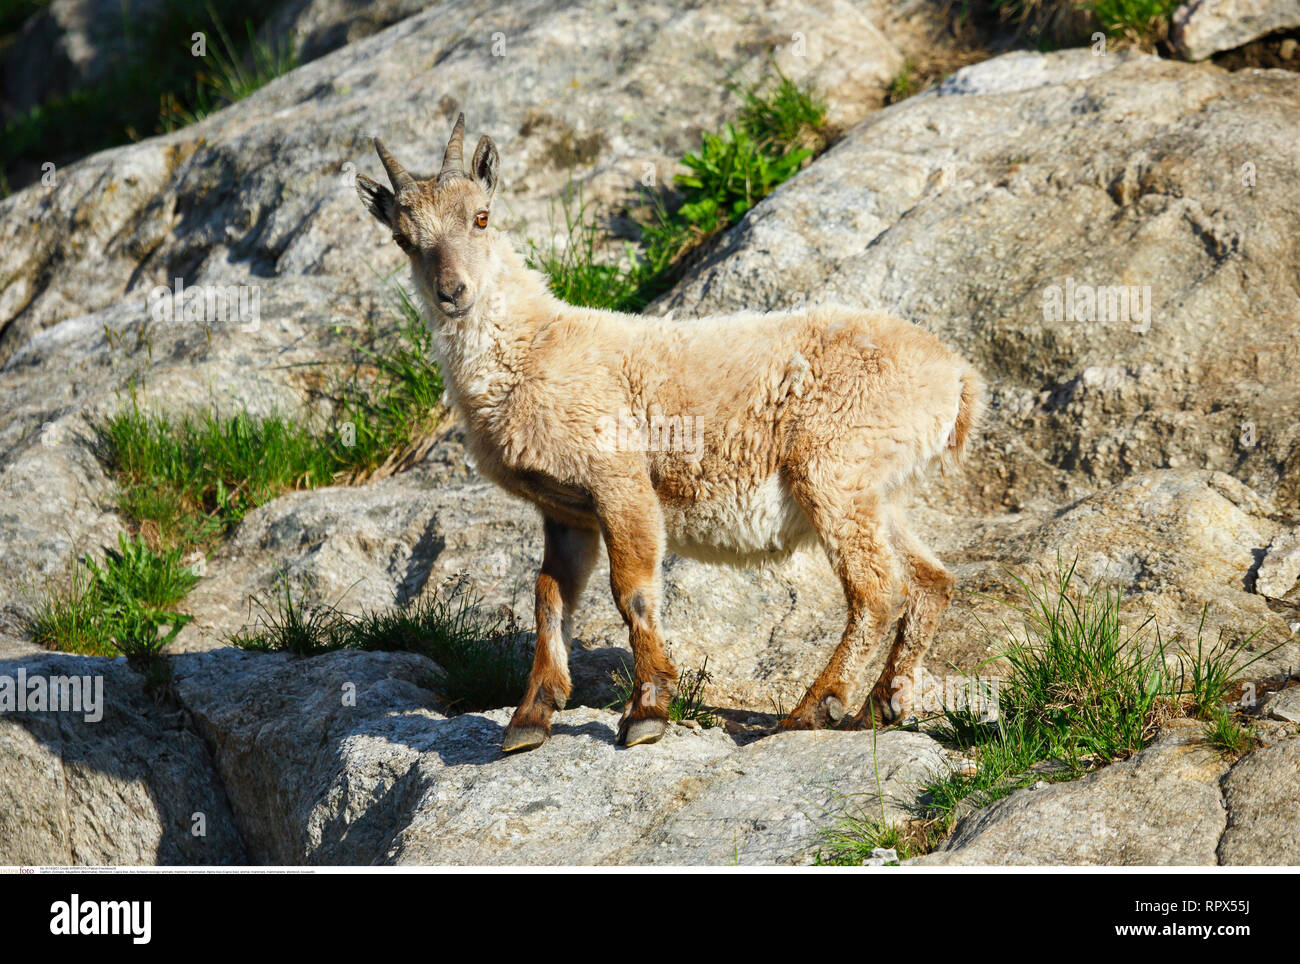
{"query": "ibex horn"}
pixel 453 165
pixel 396 173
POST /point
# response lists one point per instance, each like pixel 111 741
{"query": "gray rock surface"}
pixel 1162 807
pixel 1263 796
pixel 389 779
pixel 1166 460
pixel 965 207
pixel 1200 28
pixel 136 786
pixel 1280 570
pixel 1283 705
pixel 587 94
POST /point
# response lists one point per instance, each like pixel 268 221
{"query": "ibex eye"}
pixel 481 219
pixel 402 242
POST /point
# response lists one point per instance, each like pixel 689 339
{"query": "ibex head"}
pixel 441 223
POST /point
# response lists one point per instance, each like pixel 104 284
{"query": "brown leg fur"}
pixel 566 564
pixel 859 552
pixel 632 524
pixel 930 591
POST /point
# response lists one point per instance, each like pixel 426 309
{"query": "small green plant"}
pixel 1224 733
pixel 779 127
pixel 851 842
pixel 570 260
pixel 195 476
pixel 855 836
pixel 229 77
pixel 1144 21
pixel 383 417
pixel 784 119
pixel 1081 692
pixel 481 660
pixel 67 618
pixel 1208 674
pixel 1088 686
pixel 120 605
pixel 287 624
pixel 729 175
pixel 686 704
pixel 187 480
pixel 903 85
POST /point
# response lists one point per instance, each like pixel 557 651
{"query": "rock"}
pixel 129 784
pixel 582 95
pixel 767 803
pixel 58 501
pixel 315 27
pixel 391 780
pixel 1280 569
pixel 1200 28
pixel 1263 797
pixel 976 208
pixel 1283 705
pixel 316 755
pixel 1160 808
pixel 67 45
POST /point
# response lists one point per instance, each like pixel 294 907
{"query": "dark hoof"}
pixel 523 738
pixel 644 730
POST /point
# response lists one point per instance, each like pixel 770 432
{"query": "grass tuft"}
pixel 687 703
pixel 780 125
pixel 229 77
pixel 118 606
pixel 1081 691
pixel 185 481
pixel 481 660
pixel 194 477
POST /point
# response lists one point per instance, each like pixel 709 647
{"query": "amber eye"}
pixel 402 242
pixel 480 219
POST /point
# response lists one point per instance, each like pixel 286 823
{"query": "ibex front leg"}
pixel 566 564
pixel 633 526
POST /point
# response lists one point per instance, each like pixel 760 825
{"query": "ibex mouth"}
pixel 452 311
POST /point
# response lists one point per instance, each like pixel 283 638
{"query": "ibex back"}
pixel 733 439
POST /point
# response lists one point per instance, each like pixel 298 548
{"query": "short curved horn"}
pixel 396 173
pixel 453 165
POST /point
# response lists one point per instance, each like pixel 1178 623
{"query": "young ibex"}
pixel 814 424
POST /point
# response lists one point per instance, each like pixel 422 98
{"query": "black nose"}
pixel 451 295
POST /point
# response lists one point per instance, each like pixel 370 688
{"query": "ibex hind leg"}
pixel 930 586
pixel 854 537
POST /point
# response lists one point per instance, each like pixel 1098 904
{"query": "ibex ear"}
pixel 484 167
pixel 377 199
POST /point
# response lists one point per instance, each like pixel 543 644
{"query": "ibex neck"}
pixel 481 354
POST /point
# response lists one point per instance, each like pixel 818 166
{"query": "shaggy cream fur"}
pixel 733 439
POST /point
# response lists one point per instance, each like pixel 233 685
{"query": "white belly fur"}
pixel 748 528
